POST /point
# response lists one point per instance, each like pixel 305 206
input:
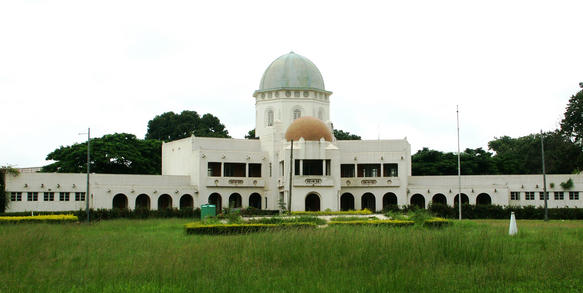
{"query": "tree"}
pixel 251 134
pixel 431 162
pixel 572 123
pixel 522 155
pixel 171 126
pixel 345 135
pixel 118 153
pixel 4 171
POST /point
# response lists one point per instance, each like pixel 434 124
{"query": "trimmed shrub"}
pixel 39 219
pixel 107 214
pixel 376 223
pixel 345 219
pixel 221 229
pixel 437 223
pixel 331 213
pixel 251 211
pixel 281 220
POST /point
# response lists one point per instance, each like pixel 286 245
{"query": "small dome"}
pixel 310 128
pixel 292 71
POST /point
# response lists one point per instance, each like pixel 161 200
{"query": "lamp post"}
pixel 542 149
pixel 291 164
pixel 459 165
pixel 88 171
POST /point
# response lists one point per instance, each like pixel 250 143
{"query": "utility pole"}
pixel 542 148
pixel 459 165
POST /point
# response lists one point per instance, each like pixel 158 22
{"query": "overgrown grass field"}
pixel 156 255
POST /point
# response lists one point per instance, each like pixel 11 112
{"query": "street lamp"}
pixel 88 170
pixel 542 149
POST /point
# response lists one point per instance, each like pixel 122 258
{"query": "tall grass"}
pixel 157 256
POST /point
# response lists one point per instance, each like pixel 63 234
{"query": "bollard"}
pixel 513 230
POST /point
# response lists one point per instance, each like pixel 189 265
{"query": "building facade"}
pixel 296 163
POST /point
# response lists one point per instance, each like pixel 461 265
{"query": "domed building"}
pixel 296 163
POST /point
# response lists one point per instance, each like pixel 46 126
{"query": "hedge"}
pixel 219 229
pixel 377 223
pixel 331 213
pixel 107 214
pixel 251 211
pixel 281 220
pixel 38 219
pixel 437 223
pixel 503 212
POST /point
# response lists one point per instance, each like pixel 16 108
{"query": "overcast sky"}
pixel 397 68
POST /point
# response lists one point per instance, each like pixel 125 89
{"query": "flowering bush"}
pixel 42 218
pixel 437 222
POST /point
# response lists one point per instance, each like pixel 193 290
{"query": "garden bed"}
pixel 39 219
pixel 220 229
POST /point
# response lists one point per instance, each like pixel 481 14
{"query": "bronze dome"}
pixel 310 128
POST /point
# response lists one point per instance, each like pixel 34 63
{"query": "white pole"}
pixel 88 172
pixel 513 229
pixel 459 167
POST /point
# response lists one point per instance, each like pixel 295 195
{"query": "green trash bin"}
pixel 207 210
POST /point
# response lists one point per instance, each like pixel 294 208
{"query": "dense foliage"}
pixel 572 123
pixel 520 155
pixel 251 134
pixel 345 135
pixel 171 126
pixel 5 170
pixel 118 153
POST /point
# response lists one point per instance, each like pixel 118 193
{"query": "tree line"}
pixel 522 155
pixel 123 153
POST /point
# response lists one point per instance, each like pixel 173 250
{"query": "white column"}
pixel 301 167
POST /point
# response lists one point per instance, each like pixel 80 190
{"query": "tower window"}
pixel 297 114
pixel 270 118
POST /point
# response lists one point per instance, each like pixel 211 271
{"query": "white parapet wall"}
pixel 527 189
pixel 66 192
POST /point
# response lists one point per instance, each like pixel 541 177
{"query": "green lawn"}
pixel 157 256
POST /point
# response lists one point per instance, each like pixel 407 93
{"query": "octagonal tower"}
pixel 291 87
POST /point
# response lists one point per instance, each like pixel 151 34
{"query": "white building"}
pixel 292 108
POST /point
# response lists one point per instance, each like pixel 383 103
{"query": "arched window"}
pixel 297 113
pixel 321 114
pixel 270 118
